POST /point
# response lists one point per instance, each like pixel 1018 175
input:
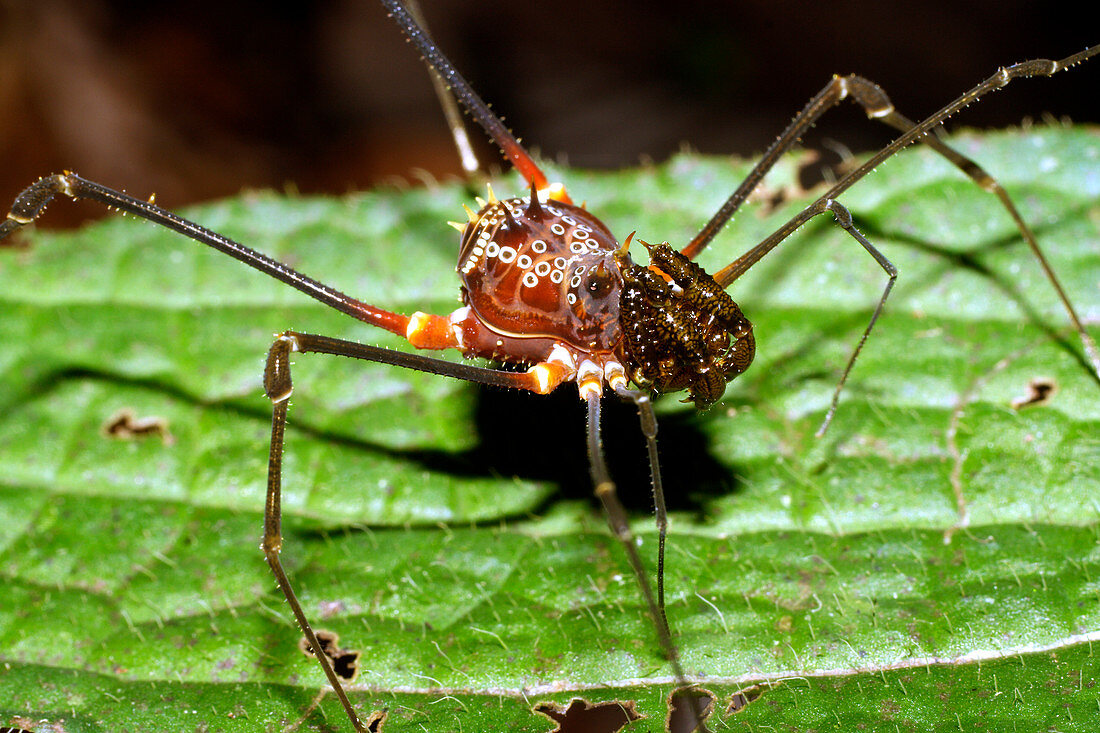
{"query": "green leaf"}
pixel 446 531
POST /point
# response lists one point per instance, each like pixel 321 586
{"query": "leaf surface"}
pixel 446 531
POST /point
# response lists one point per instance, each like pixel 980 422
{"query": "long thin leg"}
pixel 450 108
pixel 422 330
pixel 494 127
pixel 32 202
pixel 991 184
pixel 844 219
pixel 278 387
pixel 620 527
pixel 834 92
pixel 648 422
pixel 877 105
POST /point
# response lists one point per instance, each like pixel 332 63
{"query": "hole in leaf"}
pixel 375 721
pixel 742 698
pixel 1039 392
pixel 580 717
pixel 345 662
pixel 688 710
pixel 125 425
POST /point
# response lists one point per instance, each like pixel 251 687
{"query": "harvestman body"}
pixel 546 285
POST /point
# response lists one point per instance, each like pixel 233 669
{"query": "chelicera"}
pixel 548 287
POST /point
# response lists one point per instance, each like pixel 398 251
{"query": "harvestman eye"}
pixel 548 288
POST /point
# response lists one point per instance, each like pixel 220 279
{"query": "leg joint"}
pixel 277 383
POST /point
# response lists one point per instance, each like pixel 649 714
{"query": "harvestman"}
pixel 547 286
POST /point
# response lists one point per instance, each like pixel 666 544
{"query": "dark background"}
pixel 199 100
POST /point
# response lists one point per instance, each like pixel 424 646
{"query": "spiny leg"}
pixel 450 108
pixel 422 330
pixel 278 386
pixel 878 106
pixel 648 422
pixel 988 183
pixel 844 219
pixel 32 202
pixel 620 527
pixel 477 108
pixel 838 89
